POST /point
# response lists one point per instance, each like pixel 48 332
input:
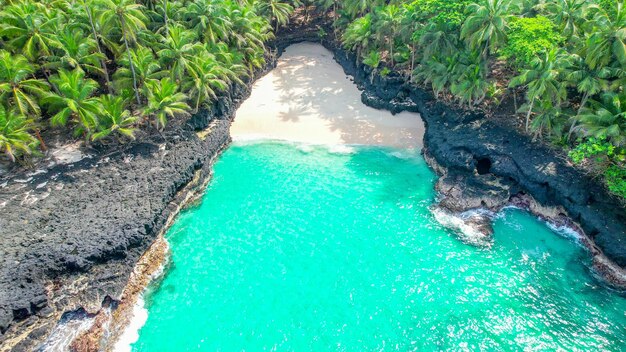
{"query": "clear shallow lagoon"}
pixel 313 249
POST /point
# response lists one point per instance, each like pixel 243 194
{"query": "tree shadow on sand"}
pixel 310 85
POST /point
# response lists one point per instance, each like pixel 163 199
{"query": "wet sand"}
pixel 309 99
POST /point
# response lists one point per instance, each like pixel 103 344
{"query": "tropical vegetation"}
pixel 561 63
pixel 105 69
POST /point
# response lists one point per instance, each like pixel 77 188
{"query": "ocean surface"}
pixel 301 248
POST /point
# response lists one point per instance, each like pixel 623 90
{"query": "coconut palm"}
pixel 249 31
pixel 471 85
pixel 28 30
pixel 165 100
pixel 88 9
pixel 568 14
pixel 180 48
pixel 436 41
pixel 114 118
pixel 75 50
pixel 439 71
pixel 389 19
pixel 75 101
pixel 588 82
pixel 359 35
pixel 355 8
pixel 606 119
pixel 485 27
pixel 15 138
pixel 544 79
pixel 146 68
pixel 18 84
pixel 276 11
pixel 208 20
pixel 607 43
pixel 207 77
pixel 127 16
pixel 548 118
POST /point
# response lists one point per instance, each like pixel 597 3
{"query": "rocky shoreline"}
pixel 71 237
pixel 486 164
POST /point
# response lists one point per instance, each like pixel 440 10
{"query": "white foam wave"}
pixel 131 332
pixel 70 327
pixel 464 229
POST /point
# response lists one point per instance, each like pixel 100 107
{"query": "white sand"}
pixel 309 99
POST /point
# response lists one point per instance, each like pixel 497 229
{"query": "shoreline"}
pixel 41 314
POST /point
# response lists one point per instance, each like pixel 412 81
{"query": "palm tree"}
pixel 569 14
pixel 15 138
pixel 28 30
pixel 18 84
pixel 249 31
pixel 275 11
pixel 180 48
pixel 355 8
pixel 358 35
pixel 128 17
pixel 165 100
pixel 606 119
pixel 548 118
pixel 146 67
pixel 544 79
pixel 607 43
pixel 439 71
pixel 471 85
pixel 588 82
pixel 92 26
pixel 207 76
pixel 486 24
pixel 388 24
pixel 208 20
pixel 76 51
pixel 436 41
pixel 114 118
pixel 74 102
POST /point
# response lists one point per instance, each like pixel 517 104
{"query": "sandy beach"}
pixel 309 99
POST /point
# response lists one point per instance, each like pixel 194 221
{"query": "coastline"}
pixel 457 142
pixel 448 142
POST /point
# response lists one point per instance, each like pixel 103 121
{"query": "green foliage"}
pixel 359 34
pixel 615 177
pixel 592 148
pixel 114 118
pixel 529 36
pixel 74 101
pixel 441 13
pixel 165 100
pixel 98 65
pixel 606 119
pixel 486 26
pixel 15 139
pixel 372 59
pixel 606 157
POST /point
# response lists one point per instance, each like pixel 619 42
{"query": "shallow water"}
pixel 313 249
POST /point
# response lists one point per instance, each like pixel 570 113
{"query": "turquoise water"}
pixel 309 249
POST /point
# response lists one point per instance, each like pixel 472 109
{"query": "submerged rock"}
pixel 473 227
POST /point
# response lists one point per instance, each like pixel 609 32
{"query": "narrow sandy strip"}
pixel 309 99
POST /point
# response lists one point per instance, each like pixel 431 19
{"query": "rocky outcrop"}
pixel 485 163
pixel 70 235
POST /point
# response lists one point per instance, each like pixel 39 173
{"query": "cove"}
pixel 316 233
pixel 308 248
